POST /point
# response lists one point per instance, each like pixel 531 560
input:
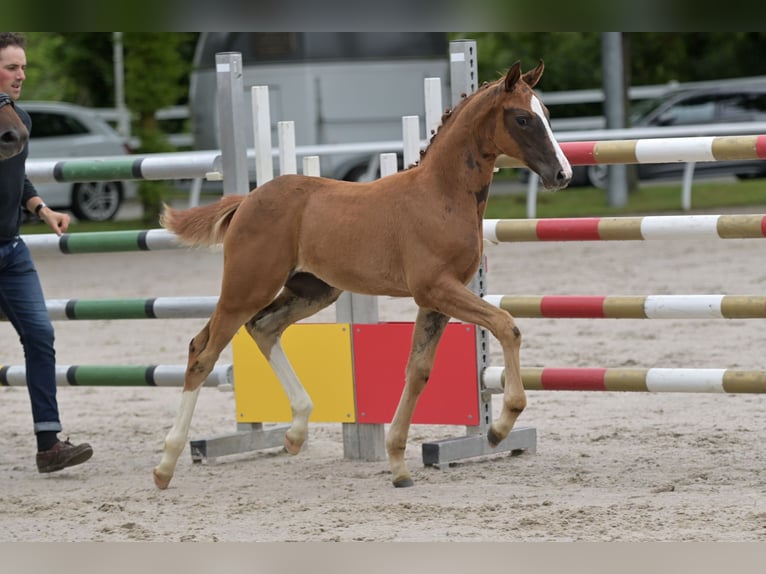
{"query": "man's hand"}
pixel 57 221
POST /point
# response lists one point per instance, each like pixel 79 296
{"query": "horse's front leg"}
pixel 458 301
pixel 514 396
pixel 429 327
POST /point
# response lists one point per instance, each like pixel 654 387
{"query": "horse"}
pixel 13 132
pixel 293 244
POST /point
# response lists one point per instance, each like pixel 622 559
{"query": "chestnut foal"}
pixel 292 245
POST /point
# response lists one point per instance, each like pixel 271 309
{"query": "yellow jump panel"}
pixel 321 356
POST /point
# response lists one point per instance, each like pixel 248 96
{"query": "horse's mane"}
pixel 449 115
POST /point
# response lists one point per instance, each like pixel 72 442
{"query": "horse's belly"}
pixel 365 275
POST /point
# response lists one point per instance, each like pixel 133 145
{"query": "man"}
pixel 21 295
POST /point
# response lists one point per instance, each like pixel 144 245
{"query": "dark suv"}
pixel 696 107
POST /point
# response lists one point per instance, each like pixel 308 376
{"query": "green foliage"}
pixel 74 67
pixel 573 59
pixel 44 81
pixel 152 192
pixel 78 67
pixel 689 57
pixel 156 70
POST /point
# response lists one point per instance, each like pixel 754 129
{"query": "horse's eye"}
pixel 522 122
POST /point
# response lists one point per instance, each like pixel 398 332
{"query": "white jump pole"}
pixel 388 164
pixel 264 166
pixel 287 161
pixel 311 165
pixel 411 138
pixel 433 99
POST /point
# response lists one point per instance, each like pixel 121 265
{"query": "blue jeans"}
pixel 23 302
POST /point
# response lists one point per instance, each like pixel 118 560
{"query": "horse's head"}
pixel 524 131
pixel 13 133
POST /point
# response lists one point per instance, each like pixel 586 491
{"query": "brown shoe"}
pixel 62 455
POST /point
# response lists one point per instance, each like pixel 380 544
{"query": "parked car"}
pixel 693 107
pixel 64 131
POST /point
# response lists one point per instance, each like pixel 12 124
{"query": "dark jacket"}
pixel 15 188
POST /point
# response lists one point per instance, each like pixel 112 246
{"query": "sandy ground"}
pixel 609 466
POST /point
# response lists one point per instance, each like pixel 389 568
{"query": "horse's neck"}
pixel 461 155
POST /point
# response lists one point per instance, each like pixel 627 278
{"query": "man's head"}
pixel 13 63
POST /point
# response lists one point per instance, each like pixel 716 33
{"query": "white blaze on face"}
pixel 537 107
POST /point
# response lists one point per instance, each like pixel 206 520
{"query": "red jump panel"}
pixel 380 358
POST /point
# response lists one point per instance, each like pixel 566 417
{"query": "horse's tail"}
pixel 204 225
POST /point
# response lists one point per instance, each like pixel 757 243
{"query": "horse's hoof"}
pixel 292 447
pixel 161 483
pixel 493 438
pixel 404 482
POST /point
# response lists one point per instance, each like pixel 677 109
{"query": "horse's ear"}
pixel 512 76
pixel 533 76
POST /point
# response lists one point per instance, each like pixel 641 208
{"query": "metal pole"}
pixel 231 107
pixel 614 110
pixel 123 121
pixel 463 69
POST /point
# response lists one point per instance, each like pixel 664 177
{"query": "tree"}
pixel 72 67
pixel 156 76
pixel 78 67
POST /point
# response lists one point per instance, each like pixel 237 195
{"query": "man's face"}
pixel 13 62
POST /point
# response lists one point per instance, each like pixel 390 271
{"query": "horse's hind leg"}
pixel 204 350
pixel 429 327
pixel 303 295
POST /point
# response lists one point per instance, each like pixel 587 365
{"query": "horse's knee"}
pixel 516 403
pixel 514 333
pixel 199 342
pixel 509 333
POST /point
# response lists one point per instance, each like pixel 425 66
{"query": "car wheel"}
pixel 96 200
pixel 749 175
pixel 597 175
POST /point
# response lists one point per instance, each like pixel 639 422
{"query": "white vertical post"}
pixel 388 164
pixel 264 163
pixel 123 118
pixel 411 140
pixel 287 161
pixel 532 186
pixel 194 192
pixel 311 165
pixel 433 99
pixel 686 189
